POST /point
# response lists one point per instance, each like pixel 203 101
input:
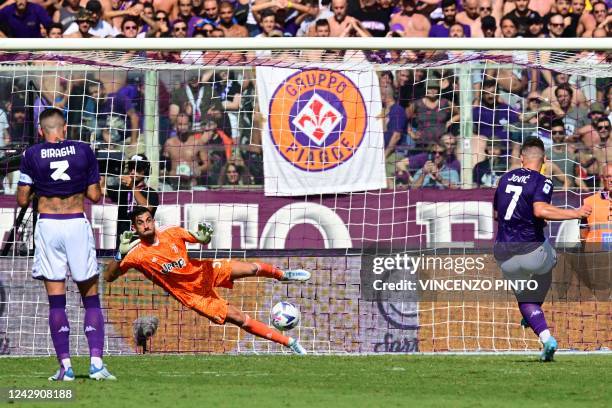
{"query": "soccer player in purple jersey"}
pixel 61 174
pixel 522 206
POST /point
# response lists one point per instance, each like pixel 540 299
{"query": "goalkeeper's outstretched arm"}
pixel 112 271
pixel 126 244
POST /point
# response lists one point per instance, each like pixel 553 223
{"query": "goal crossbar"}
pixel 307 43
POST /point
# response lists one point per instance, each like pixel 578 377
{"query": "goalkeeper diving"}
pixel 161 255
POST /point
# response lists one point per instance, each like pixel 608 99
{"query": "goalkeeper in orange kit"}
pixel 161 255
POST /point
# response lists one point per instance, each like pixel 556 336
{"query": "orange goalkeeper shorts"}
pixel 204 299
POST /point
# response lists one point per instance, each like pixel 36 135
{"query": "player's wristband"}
pixel 118 256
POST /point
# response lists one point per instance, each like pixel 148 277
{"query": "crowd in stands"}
pixel 209 123
pixel 336 18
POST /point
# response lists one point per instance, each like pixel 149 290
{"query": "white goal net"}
pixel 250 141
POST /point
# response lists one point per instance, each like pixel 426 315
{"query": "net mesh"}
pixel 197 116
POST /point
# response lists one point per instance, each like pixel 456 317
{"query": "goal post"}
pixel 227 102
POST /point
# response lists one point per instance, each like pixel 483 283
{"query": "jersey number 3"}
pixel 516 192
pixel 60 167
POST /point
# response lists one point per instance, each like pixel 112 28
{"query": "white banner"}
pixel 323 131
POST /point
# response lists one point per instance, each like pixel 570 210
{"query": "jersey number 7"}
pixel 516 192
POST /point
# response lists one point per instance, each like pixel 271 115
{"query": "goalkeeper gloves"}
pixel 126 243
pixel 203 233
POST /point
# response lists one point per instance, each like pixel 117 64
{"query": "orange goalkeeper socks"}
pixel 268 271
pixel 262 330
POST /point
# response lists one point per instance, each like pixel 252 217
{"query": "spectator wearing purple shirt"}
pixel 122 113
pixel 491 118
pixel 442 29
pixel 24 19
pixel 395 120
pixel 186 14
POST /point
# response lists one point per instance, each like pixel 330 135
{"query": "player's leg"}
pixel 538 266
pixel 59 328
pixel 51 267
pixel 84 270
pixel 242 270
pixel 257 328
pixel 93 325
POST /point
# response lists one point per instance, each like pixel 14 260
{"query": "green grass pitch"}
pixel 327 381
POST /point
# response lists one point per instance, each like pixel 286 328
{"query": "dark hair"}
pixel 244 179
pixel 448 3
pixel 127 20
pixel 488 23
pixel 321 23
pixel 532 142
pixel 557 122
pixel 565 87
pixel 266 13
pixel 138 211
pixel 95 7
pixel 50 112
pixel 139 163
pixel 510 18
pixel 593 4
pixel 603 119
pixel 55 25
pixel 489 83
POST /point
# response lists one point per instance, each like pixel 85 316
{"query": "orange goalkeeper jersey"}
pixel 191 281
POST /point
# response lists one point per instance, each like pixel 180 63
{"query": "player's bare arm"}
pixel 551 213
pixel 112 271
pixel 25 194
pixel 94 192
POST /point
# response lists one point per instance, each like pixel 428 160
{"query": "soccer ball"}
pixel 285 316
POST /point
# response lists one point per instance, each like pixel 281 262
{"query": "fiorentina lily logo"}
pixel 317 119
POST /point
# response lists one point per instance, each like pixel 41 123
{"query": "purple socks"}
pixel 59 326
pixel 94 325
pixel 533 314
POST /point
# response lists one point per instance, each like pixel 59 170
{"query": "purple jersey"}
pixel 59 169
pixel 516 192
